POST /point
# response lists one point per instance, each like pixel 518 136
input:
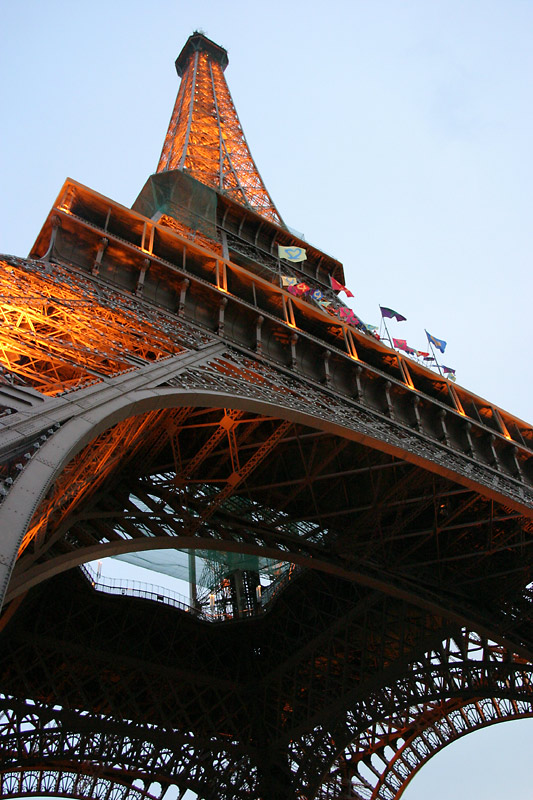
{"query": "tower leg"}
pixel 84 415
pixel 276 780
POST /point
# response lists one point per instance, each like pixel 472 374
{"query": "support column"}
pixel 85 414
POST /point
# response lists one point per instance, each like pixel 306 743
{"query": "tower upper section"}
pixel 205 137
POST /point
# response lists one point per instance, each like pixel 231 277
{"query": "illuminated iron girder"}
pixel 85 474
pixel 205 137
pixel 65 334
pixel 161 390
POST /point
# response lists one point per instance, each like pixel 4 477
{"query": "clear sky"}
pixel 396 134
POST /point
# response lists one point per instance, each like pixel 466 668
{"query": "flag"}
pixel 371 328
pixel 422 353
pixel 448 369
pixel 324 303
pixel 292 253
pixel 410 351
pixel 400 344
pixel 299 289
pixel 338 287
pixel 391 314
pixel 347 315
pixel 440 344
pixel 286 281
pixel 317 295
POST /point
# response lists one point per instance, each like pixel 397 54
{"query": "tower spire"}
pixel 204 135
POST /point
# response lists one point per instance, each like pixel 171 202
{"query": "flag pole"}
pixel 385 324
pixel 435 357
pixel 388 334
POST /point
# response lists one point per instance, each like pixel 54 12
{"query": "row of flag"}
pixel 401 344
pixel 296 254
pixel 389 313
pixel 298 288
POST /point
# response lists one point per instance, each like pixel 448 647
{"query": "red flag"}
pixel 348 316
pixel 400 344
pixel 299 289
pixel 338 287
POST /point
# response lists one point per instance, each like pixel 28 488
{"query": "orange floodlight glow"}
pixel 87 471
pixel 205 137
pixel 55 341
pixel 408 379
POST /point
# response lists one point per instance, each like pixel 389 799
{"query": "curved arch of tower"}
pixel 354 528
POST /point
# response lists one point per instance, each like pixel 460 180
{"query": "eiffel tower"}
pixel 355 528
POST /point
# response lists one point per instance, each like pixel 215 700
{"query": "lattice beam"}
pixel 205 137
pixel 160 388
pixel 63 334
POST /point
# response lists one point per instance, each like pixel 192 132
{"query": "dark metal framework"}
pixel 162 390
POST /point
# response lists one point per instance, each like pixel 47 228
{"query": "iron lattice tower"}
pixel 162 391
pixel 205 137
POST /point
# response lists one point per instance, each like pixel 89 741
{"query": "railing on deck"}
pixel 160 594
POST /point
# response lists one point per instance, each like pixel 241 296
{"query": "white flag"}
pixel 292 253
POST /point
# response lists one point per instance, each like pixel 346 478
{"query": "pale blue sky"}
pixel 396 134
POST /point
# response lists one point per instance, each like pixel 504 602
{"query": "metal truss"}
pixel 160 389
pixel 87 472
pixel 65 333
pixel 380 763
pixel 60 782
pixel 396 765
pixel 375 737
pixel 318 678
pixel 205 137
pixel 207 479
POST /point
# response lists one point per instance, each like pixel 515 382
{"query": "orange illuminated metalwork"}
pixel 54 338
pixel 88 471
pixel 161 389
pixel 96 463
pixel 188 233
pixel 205 137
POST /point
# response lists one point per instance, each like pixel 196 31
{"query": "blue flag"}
pixel 440 344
